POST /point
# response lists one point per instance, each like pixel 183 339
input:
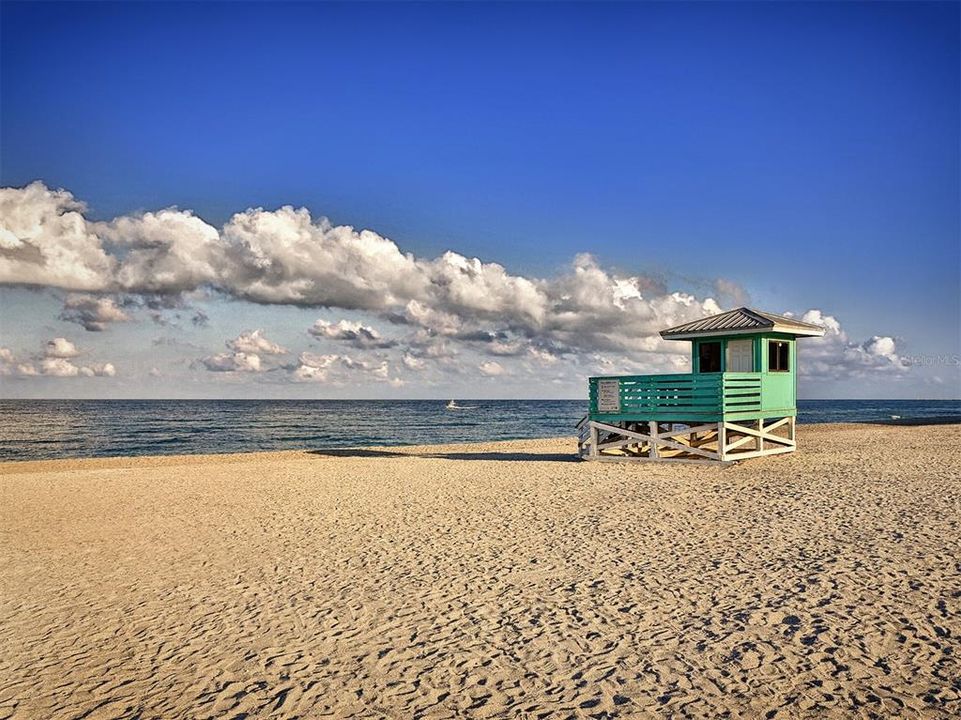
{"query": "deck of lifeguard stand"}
pixel 712 417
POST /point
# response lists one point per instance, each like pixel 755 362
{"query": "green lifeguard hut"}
pixel 739 400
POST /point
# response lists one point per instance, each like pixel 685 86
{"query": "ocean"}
pixel 43 429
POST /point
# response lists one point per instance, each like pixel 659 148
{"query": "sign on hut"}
pixel 739 401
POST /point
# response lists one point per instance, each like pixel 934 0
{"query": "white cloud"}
pixel 338 369
pixel 57 362
pixel 435 320
pixel 835 355
pixel 425 345
pixel 244 354
pixel 284 256
pixel 313 367
pixel 381 371
pixel 253 342
pixel 353 333
pixel 542 356
pixel 491 368
pixel 883 347
pixel 7 361
pixel 91 312
pixel 169 251
pixel 593 309
pixel 58 367
pixel 446 305
pixel 232 362
pixel 309 373
pixel 731 292
pixel 413 363
pixel 60 348
pixel 45 240
pixel 467 286
pixel 99 370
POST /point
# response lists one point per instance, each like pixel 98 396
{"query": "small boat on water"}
pixel 453 406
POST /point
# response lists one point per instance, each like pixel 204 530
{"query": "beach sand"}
pixel 494 580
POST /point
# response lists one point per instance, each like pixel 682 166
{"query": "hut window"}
pixel 709 357
pixel 778 359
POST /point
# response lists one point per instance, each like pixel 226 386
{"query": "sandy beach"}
pixel 495 580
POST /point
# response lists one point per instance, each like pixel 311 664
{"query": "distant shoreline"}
pixel 50 429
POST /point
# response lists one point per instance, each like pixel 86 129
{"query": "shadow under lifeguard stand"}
pixel 488 455
pixel 739 401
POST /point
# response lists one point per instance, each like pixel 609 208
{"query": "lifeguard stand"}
pixel 738 402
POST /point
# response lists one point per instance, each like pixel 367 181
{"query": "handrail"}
pixel 694 395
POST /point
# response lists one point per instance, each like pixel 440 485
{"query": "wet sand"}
pixel 493 580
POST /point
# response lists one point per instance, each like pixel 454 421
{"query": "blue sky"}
pixel 806 155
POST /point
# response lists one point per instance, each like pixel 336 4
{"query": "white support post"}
pixel 653 430
pixel 721 441
pixel 760 437
pixel 594 440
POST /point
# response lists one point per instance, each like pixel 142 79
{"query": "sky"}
pixel 471 200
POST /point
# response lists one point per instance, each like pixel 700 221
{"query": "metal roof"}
pixel 740 321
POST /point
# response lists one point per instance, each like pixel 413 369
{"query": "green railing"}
pixel 707 397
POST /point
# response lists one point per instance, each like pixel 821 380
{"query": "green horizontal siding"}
pixel 694 397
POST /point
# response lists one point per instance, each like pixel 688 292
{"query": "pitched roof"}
pixel 740 321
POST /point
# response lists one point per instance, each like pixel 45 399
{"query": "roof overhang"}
pixel 747 331
pixel 742 321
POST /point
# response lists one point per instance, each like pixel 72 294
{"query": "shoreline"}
pixel 9 467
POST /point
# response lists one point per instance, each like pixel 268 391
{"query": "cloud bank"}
pixel 836 355
pixel 287 257
pixel 436 308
